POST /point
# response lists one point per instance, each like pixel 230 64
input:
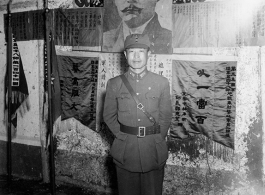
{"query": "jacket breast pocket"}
pixel 152 101
pixel 123 102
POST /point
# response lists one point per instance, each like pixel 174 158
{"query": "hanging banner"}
pixel 19 94
pixel 27 25
pixel 21 26
pixel 55 87
pixel 78 80
pixel 204 98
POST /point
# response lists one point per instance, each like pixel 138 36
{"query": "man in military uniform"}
pixel 139 149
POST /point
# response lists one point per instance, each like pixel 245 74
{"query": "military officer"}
pixel 139 149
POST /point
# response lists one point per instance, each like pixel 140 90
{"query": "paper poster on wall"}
pixel 80 28
pixel 88 3
pixel 217 24
pixel 204 98
pixel 27 25
pixel 161 64
pixel 122 18
pixel 110 65
pixel 78 80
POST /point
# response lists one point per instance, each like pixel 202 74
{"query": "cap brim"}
pixel 138 45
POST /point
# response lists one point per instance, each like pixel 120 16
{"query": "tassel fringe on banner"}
pixel 194 144
pixel 22 109
pixel 20 98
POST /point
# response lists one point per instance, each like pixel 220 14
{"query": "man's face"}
pixel 136 12
pixel 137 58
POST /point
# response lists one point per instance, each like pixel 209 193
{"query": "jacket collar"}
pixel 139 76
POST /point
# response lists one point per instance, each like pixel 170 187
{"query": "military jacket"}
pixel 129 151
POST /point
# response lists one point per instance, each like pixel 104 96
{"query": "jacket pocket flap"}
pixel 152 95
pixel 122 136
pixel 124 95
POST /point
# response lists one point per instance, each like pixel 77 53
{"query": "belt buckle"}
pixel 141 132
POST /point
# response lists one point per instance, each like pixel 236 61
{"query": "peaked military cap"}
pixel 137 41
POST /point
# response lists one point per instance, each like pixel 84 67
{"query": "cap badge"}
pixel 136 38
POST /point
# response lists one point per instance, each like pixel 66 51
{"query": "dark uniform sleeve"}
pixel 111 108
pixel 165 110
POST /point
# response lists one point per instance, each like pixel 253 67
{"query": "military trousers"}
pixel 138 183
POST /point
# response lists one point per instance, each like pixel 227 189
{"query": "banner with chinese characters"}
pixel 78 80
pixel 161 64
pixel 19 87
pixel 27 25
pixel 80 28
pixel 218 24
pixel 204 98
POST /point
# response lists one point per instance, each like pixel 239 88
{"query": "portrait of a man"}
pixel 136 17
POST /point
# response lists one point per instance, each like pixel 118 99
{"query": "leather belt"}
pixel 140 131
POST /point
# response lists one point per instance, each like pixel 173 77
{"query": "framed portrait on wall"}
pixel 152 17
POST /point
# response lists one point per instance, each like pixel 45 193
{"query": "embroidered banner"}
pixel 78 81
pixel 55 85
pixel 19 92
pixel 203 97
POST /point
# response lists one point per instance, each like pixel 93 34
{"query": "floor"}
pixel 32 187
